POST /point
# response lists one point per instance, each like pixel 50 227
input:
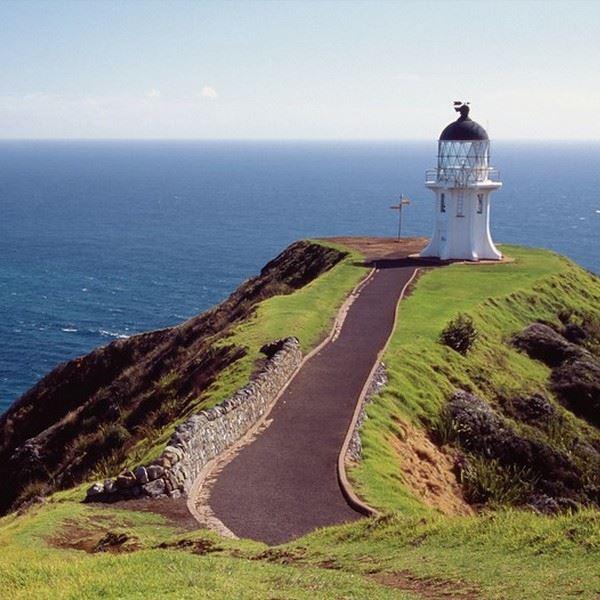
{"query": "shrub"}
pixel 114 435
pixel 577 384
pixel 167 412
pixel 443 429
pixel 591 326
pixel 486 481
pixel 31 491
pixel 460 334
pixel 110 465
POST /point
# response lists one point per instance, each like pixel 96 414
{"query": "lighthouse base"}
pixel 462 224
pixel 443 252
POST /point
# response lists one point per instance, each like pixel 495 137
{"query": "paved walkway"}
pixel 284 484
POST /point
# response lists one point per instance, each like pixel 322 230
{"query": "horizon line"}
pixel 273 139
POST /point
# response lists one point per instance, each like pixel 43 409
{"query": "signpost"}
pixel 403 202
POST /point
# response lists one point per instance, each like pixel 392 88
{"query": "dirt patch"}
pixel 294 557
pixel 375 248
pixel 429 472
pixel 112 542
pixel 200 547
pixel 329 563
pixel 174 510
pixel 427 587
pixel 281 557
pixel 75 536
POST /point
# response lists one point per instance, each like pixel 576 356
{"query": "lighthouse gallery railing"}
pixel 461 176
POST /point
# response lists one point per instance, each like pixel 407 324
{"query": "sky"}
pixel 297 70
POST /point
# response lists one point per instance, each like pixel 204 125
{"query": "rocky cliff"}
pixel 90 411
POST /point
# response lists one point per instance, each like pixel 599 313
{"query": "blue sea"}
pixel 103 239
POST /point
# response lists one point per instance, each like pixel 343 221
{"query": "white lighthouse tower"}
pixel 462 183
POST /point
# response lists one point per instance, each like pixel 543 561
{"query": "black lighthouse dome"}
pixel 464 128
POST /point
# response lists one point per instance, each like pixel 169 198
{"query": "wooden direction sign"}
pixel 403 202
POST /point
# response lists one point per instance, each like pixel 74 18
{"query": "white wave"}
pixel 113 334
pixel 68 329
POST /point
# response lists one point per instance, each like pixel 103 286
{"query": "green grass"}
pixel 501 299
pixel 32 567
pixel 176 574
pixel 510 554
pixel 502 554
pixel 307 314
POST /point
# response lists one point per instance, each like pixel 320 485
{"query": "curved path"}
pixel 284 483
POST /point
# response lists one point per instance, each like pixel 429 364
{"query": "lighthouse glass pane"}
pixel 464 162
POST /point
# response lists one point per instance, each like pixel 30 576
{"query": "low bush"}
pixel 460 334
pixel 109 465
pixel 114 435
pixel 487 481
pixel 31 491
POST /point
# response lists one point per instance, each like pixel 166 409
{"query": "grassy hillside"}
pixel 307 314
pixel 413 551
pixel 117 405
pixel 502 300
pixel 506 555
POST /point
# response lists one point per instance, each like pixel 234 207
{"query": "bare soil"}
pixel 428 587
pixel 199 547
pixel 174 510
pixel 429 472
pixel 376 248
pixel 101 537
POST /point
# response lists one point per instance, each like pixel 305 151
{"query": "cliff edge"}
pixel 86 415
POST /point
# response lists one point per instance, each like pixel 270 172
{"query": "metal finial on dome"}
pixel 462 108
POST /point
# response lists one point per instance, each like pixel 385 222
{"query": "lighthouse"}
pixel 463 183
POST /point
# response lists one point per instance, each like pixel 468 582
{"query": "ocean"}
pixel 103 239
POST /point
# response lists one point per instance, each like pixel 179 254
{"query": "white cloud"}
pixel 407 77
pixel 209 92
pixel 153 93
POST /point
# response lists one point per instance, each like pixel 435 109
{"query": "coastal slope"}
pixel 90 415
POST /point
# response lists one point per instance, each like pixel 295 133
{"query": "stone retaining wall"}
pixel 206 434
pixel 376 384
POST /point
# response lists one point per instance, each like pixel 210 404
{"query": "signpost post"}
pixel 403 202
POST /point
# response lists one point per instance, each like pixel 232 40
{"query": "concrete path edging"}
pixel 196 499
pixel 347 489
